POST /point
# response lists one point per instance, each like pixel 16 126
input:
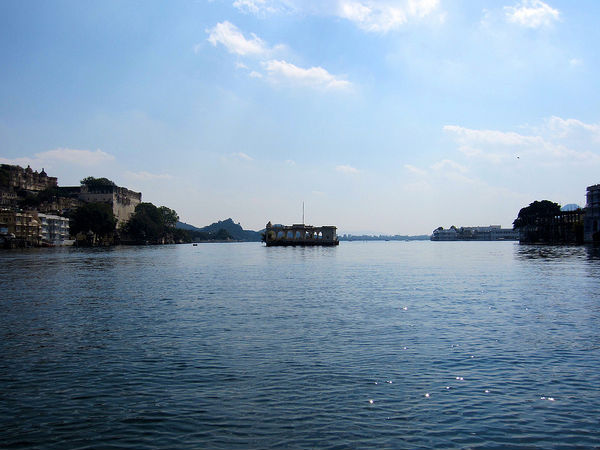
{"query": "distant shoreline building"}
pixel 486 233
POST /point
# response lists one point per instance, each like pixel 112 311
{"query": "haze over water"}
pixel 381 344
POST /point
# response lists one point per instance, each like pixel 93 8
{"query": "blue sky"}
pixel 382 116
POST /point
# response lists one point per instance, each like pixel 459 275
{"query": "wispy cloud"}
pixel 349 170
pixel 77 157
pixel 556 141
pixel 448 164
pixel 262 7
pixel 228 35
pixel 277 71
pixel 369 15
pixel 415 170
pixel 384 16
pixel 532 14
pixel 243 156
pixel 147 176
pixel 316 77
pixel 85 158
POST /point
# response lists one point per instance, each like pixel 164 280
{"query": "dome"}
pixel 570 207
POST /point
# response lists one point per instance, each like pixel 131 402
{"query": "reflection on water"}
pixel 556 251
pixel 403 345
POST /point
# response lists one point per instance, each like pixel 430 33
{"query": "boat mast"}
pixel 303 213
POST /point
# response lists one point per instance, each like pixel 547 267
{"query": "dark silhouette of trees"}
pixel 544 222
pixel 95 217
pixel 154 225
pixel 97 182
pixel 169 216
pixel 146 224
pixel 536 212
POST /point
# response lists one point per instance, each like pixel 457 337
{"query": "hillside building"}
pixel 15 178
pixel 122 200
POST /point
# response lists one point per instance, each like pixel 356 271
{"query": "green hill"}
pixel 235 230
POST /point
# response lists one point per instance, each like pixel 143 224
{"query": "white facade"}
pixel 54 229
pixel 488 233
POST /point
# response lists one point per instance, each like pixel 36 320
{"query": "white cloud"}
pixel 383 16
pixel 564 128
pixel 557 141
pixel 23 162
pixel 369 15
pixel 290 162
pixel 316 77
pixel 574 62
pixel 76 157
pixel 242 155
pixel 86 158
pixel 532 14
pixel 279 71
pixel 349 170
pixel 415 170
pixel 448 164
pixel 228 35
pixel 262 7
pixel 147 176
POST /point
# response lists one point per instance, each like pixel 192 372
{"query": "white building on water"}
pixel 488 233
pixel 54 230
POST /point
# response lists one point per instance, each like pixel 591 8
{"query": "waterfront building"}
pixel 23 226
pixel 480 233
pixel 563 227
pixel 122 200
pixel 54 229
pixel 299 234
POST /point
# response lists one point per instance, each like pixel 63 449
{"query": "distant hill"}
pixel 186 226
pixel 235 230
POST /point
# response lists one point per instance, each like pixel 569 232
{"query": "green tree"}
pixel 95 217
pixel 97 182
pixel 146 223
pixel 151 224
pixel 536 222
pixel 536 212
pixel 223 235
pixel 169 216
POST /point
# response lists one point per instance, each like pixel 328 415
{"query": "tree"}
pixel 536 212
pixel 153 224
pixel 146 223
pixel 97 182
pixel 95 217
pixel 536 222
pixel 169 216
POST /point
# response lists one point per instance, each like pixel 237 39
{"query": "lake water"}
pixel 367 345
